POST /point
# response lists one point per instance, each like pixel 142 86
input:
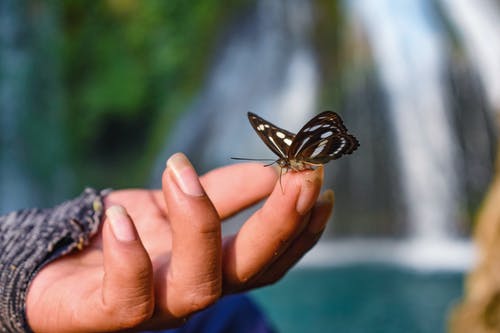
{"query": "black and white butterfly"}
pixel 320 140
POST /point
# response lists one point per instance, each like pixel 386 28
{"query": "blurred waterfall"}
pixel 409 52
pixel 478 26
pixel 16 188
pixel 33 164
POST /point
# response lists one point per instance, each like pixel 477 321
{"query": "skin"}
pixel 150 267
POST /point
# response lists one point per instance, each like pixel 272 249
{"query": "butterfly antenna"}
pixel 270 163
pixel 252 159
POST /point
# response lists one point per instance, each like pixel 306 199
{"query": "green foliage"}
pixel 130 68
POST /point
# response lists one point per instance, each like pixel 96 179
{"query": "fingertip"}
pixel 316 176
pixel 183 173
pixel 322 212
pixel 327 197
pixel 121 241
pixel 121 225
pixel 310 186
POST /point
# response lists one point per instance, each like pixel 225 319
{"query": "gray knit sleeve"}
pixel 31 238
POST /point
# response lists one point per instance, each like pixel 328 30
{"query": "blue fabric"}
pixel 235 313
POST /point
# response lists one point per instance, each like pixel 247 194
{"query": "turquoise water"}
pixel 360 299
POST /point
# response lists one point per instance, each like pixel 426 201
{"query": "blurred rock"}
pixel 479 311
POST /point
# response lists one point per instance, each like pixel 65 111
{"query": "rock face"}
pixel 479 311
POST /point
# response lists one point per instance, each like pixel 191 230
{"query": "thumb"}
pixel 127 290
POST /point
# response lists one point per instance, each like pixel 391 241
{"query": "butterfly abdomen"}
pixel 299 165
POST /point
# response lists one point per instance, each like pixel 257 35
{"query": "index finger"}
pixel 235 187
pixel 271 229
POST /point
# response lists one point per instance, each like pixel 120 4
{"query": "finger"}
pixel 127 291
pixel 301 245
pixel 271 228
pixel 193 279
pixel 234 187
pixel 238 186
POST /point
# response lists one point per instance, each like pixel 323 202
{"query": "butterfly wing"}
pixel 277 139
pixel 322 139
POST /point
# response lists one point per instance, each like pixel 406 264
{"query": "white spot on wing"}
pixel 276 146
pixel 312 129
pixel 288 141
pixel 303 143
pixel 318 150
pixel 340 148
pixel 326 134
pixel 260 127
pixel 280 135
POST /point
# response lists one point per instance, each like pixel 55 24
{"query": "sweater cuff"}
pixel 31 238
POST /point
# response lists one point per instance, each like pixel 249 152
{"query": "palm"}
pixel 148 211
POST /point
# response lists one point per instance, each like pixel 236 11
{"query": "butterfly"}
pixel 320 140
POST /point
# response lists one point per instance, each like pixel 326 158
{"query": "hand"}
pixel 163 258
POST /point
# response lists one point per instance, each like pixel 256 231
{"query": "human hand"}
pixel 163 258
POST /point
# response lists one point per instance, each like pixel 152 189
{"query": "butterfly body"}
pixel 320 140
pixel 294 165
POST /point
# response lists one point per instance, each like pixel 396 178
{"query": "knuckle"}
pixel 200 300
pixel 128 316
pixel 187 297
pixel 208 223
pixel 194 301
pixel 133 320
pixel 284 227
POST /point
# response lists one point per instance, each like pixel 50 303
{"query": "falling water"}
pixel 33 168
pixel 409 52
pixel 16 188
pixel 478 26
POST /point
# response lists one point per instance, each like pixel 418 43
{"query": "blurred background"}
pixel 100 93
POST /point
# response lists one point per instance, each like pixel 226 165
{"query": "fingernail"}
pixel 325 201
pixel 327 197
pixel 121 225
pixel 311 184
pixel 184 174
